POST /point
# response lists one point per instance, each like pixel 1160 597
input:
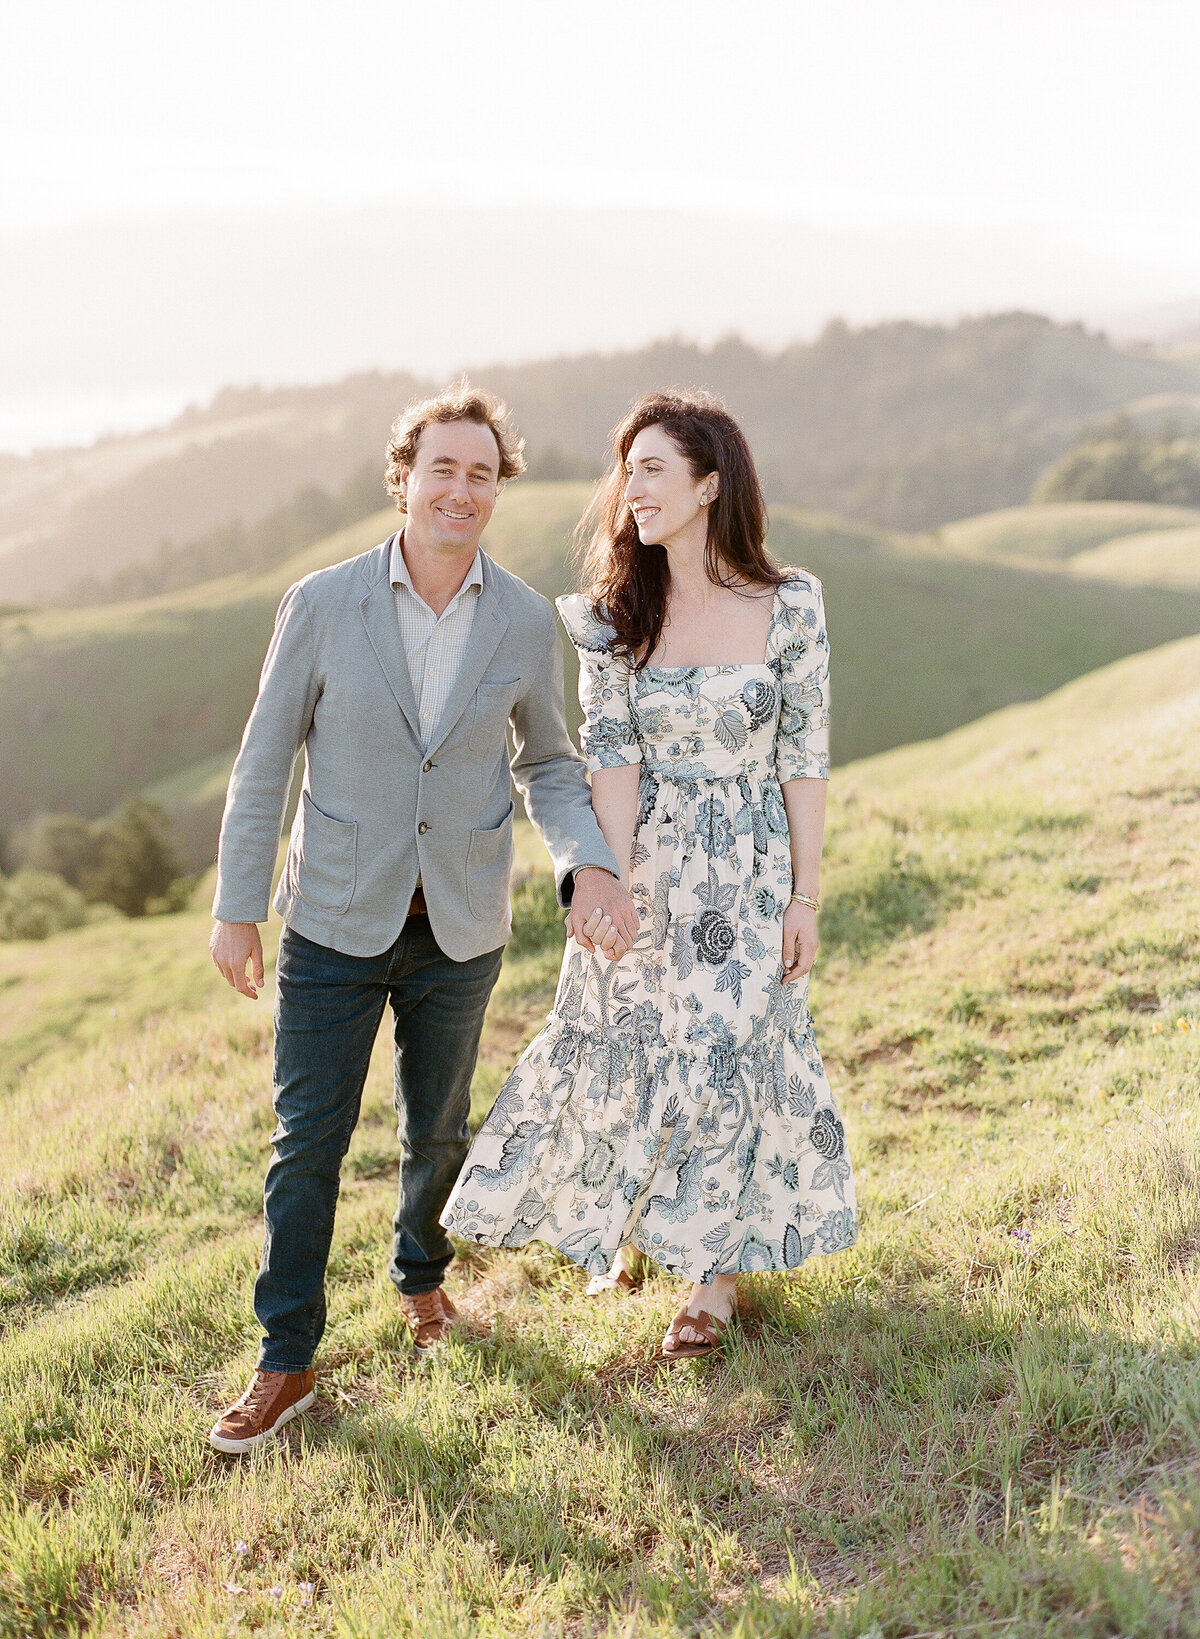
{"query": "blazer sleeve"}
pixel 800 659
pixel 256 800
pixel 608 737
pixel 547 771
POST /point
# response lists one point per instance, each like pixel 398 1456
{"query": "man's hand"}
pixel 799 940
pixel 234 946
pixel 602 916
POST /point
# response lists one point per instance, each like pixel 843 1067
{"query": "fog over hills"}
pixel 188 300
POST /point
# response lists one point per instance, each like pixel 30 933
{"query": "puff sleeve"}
pixel 800 659
pixel 608 738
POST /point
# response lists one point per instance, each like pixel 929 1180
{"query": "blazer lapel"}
pixel 488 627
pixel 378 610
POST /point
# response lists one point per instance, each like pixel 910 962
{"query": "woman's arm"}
pixel 614 802
pixel 804 801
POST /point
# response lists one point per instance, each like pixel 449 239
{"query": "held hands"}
pixel 232 946
pixel 602 916
pixel 799 941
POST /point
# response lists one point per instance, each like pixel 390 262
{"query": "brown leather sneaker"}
pixel 431 1316
pixel 272 1400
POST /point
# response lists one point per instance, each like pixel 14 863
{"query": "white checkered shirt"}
pixel 433 645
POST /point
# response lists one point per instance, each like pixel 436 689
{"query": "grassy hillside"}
pixel 983 1420
pixel 85 515
pixel 1124 542
pixel 97 703
pixel 1059 529
pixel 1160 557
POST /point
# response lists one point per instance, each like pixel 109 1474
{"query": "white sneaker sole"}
pixel 235 1448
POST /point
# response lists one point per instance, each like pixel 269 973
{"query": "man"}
pixel 399 673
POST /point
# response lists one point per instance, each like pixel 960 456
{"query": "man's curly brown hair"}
pixel 462 402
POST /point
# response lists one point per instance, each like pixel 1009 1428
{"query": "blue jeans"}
pixel 327 1012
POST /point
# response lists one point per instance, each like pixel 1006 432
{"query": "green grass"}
pixel 983 1420
pixel 1059 529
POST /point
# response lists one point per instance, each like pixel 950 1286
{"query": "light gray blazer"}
pixel 377 806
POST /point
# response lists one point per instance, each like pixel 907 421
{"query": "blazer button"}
pixel 422 828
pixel 426 766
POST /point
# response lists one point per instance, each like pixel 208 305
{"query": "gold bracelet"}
pixel 803 899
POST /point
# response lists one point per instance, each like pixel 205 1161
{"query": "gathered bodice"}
pixel 765 722
pixel 706 723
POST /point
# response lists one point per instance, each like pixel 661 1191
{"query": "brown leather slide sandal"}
pixel 711 1333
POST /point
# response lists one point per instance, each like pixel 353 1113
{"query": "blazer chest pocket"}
pixel 489 864
pixel 493 702
pixel 328 863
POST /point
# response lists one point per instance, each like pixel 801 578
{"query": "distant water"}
pixel 56 421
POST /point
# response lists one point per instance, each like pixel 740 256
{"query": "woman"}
pixel 675 1103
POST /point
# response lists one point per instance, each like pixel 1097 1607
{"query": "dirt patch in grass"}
pixel 885 1052
pixel 506 1034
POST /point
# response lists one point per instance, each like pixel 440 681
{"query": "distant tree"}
pixel 35 904
pixel 1121 462
pixel 65 845
pixel 137 862
pixel 125 861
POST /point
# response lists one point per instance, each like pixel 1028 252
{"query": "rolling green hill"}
pixel 97 703
pixel 1128 543
pixel 1160 557
pixel 983 1420
pixel 1057 529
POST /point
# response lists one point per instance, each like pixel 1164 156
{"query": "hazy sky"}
pixel 1058 135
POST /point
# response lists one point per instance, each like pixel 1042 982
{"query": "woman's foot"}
pixel 711 1308
pixel 622 1277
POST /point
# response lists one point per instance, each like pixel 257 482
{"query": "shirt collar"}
pixel 401 577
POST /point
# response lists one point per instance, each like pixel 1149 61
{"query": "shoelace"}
pixel 258 1394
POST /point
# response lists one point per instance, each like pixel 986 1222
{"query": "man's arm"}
pixel 549 774
pixel 258 791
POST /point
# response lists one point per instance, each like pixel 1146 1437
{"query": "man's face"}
pixel 451 488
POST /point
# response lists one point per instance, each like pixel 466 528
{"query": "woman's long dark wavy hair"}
pixel 631 580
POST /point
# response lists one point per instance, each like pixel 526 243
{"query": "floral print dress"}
pixel 676 1100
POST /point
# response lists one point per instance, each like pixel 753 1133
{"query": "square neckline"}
pixel 729 666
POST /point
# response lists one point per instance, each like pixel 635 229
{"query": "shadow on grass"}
pixel 857 1458
pixel 882 898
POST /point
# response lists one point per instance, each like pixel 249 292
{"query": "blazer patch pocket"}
pixel 489 864
pixel 328 863
pixel 493 702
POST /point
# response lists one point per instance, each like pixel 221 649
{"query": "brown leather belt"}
pixel 417 907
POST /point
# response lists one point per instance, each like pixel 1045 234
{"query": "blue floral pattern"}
pixel 676 1100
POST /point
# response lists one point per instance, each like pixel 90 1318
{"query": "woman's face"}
pixel 666 500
